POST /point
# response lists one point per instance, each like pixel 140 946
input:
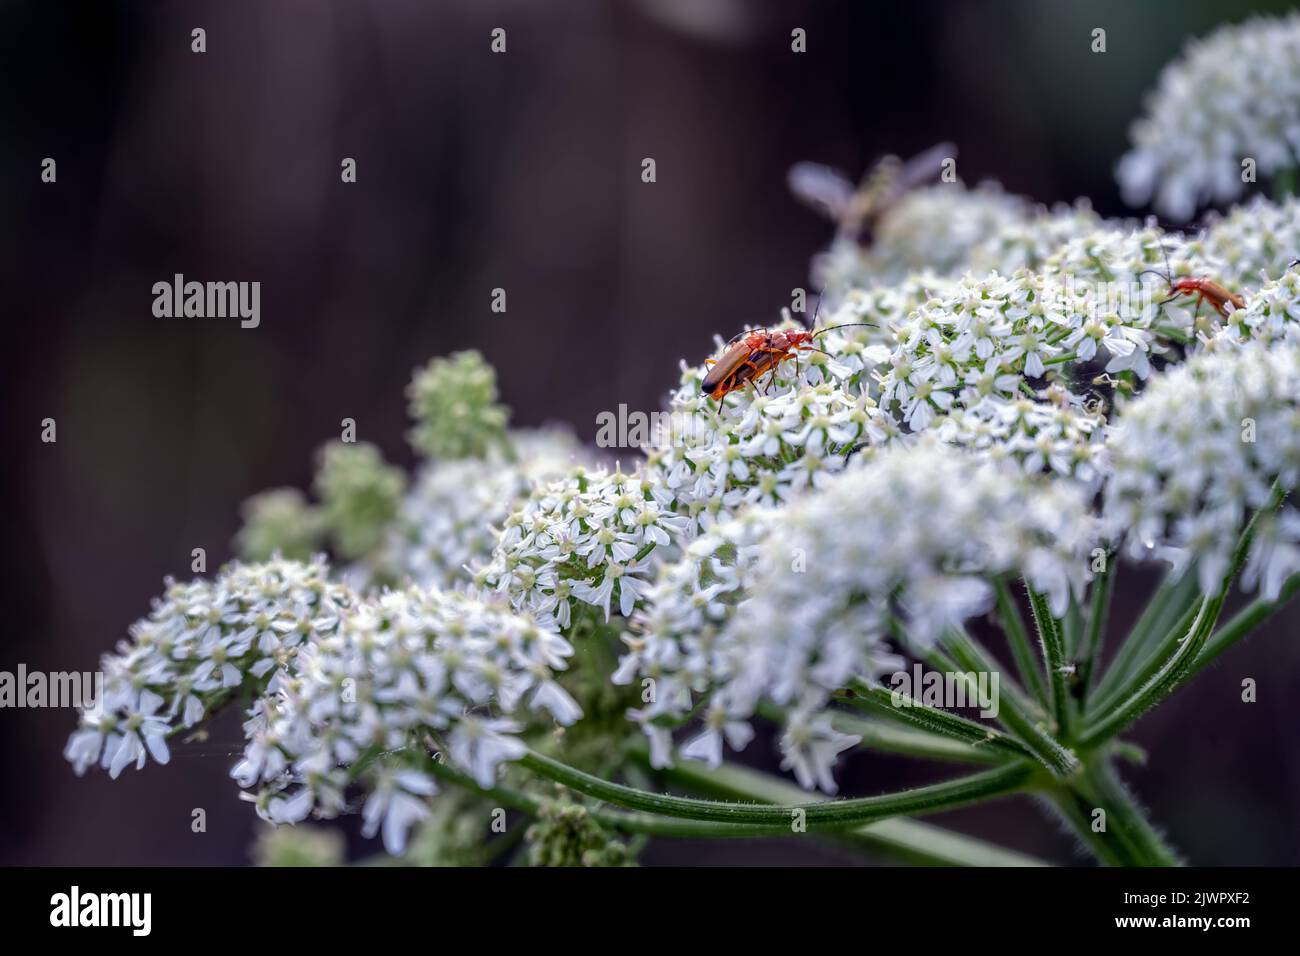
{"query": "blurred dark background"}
pixel 476 171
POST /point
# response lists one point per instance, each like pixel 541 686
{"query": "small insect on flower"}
pixel 1205 290
pixel 855 211
pixel 754 352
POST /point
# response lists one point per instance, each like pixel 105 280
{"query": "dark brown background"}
pixel 477 171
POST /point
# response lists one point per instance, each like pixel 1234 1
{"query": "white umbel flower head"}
pixel 203 643
pixel 938 227
pixel 1232 96
pixel 764 444
pixel 1255 242
pixel 447 522
pixel 402 667
pixel 1199 451
pixel 591 539
pixel 787 606
pixel 1029 243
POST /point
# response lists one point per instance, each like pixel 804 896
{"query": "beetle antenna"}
pixel 847 325
pixel 814 348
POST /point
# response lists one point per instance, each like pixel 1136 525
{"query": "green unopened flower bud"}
pixel 299 846
pixel 279 520
pixel 454 404
pixel 359 496
pixel 566 835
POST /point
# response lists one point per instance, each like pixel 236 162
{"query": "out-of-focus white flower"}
pixel 202 642
pixel 1028 243
pixel 947 230
pixel 448 520
pixel 1232 96
pixel 1198 451
pixel 1255 242
pixel 788 605
pixel 937 227
pixel 362 702
pixel 394 806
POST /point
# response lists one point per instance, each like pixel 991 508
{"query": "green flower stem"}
pixel 1014 711
pixel 886 737
pixel 1098 612
pixel 1076 811
pixel 1125 821
pixel 880 700
pixel 1179 662
pixel 640 823
pixel 1163 682
pixel 1246 620
pixel 1049 638
pixel 909 840
pixel 1072 631
pixel 1172 600
pixel 1149 664
pixel 828 814
pixel 1022 652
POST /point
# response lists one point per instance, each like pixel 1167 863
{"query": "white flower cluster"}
pixel 1123 275
pixel 1198 452
pixel 1270 315
pixel 1057 431
pixel 947 230
pixel 1254 242
pixel 588 539
pixel 763 445
pixel 404 673
pixel 937 228
pixel 1233 96
pixel 677 640
pixel 1028 243
pixel 203 642
pixel 977 364
pixel 447 522
pixel 788 606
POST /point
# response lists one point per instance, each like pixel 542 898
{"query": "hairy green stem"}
pixel 1179 664
pixel 909 840
pixel 1098 612
pixel 905 709
pixel 1049 637
pixel 1175 595
pixel 1125 820
pixel 1022 651
pixel 1148 665
pixel 1163 682
pixel 1242 623
pixel 1014 712
pixel 828 814
pixel 907 741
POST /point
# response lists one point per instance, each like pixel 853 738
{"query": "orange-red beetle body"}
pixel 1206 290
pixel 752 354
